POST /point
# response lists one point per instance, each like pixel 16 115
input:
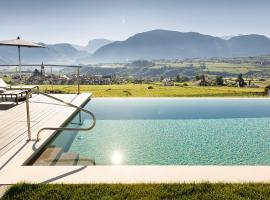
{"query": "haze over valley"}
pixel 151 45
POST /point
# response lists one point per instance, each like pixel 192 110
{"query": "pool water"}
pixel 172 131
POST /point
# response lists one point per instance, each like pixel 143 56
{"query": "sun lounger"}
pixel 30 88
pixel 7 91
pixel 13 94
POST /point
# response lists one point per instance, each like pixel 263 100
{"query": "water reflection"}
pixel 117 158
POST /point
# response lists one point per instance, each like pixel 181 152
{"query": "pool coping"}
pixel 255 97
pixel 135 174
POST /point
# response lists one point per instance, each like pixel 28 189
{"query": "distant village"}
pixel 39 77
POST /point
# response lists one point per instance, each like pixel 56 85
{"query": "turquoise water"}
pixel 173 132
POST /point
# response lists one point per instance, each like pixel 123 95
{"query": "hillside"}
pixel 55 53
pixel 162 44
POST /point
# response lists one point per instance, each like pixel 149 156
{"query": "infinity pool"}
pixel 169 131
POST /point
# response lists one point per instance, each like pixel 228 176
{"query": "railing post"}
pixel 28 116
pixel 78 80
pixel 80 117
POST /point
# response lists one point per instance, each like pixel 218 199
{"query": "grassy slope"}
pixel 216 66
pixel 140 90
pixel 140 191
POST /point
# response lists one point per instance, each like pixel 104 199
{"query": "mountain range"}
pixel 53 53
pixel 151 45
pixel 93 45
pixel 162 44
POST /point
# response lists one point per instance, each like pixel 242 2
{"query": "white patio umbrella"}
pixel 20 43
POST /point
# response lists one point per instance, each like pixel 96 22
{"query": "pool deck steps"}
pixel 49 157
pixel 56 156
pixel 68 158
pixel 86 162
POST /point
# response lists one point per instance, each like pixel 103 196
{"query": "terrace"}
pixel 45 112
pixel 21 122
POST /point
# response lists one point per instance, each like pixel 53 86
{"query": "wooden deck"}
pixel 44 112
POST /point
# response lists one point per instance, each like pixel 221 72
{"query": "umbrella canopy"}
pixel 20 43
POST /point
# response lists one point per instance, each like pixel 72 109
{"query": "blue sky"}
pixel 77 21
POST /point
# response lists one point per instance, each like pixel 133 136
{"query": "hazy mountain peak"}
pixel 250 36
pixel 93 45
pixel 227 37
pixel 98 40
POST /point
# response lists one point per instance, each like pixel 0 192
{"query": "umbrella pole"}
pixel 19 52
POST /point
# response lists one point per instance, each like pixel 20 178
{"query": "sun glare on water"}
pixel 117 158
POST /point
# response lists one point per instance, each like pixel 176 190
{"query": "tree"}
pixel 203 83
pixel 197 77
pixel 219 80
pixel 161 78
pixel 241 81
pixel 36 72
pixel 184 79
pixel 200 77
pixel 178 79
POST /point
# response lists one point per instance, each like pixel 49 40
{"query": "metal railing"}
pixel 59 128
pixel 51 65
pixel 52 97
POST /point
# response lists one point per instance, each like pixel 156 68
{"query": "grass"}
pixel 216 66
pixel 141 90
pixel 139 191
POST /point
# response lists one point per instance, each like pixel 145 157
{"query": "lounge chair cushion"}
pixel 2 90
pixel 3 83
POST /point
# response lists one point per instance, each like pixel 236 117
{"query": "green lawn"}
pixel 141 90
pixel 139 191
pixel 216 66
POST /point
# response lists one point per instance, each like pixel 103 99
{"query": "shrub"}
pixel 219 80
pixel 185 84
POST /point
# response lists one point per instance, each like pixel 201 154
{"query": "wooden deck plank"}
pixel 21 125
pixel 44 112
